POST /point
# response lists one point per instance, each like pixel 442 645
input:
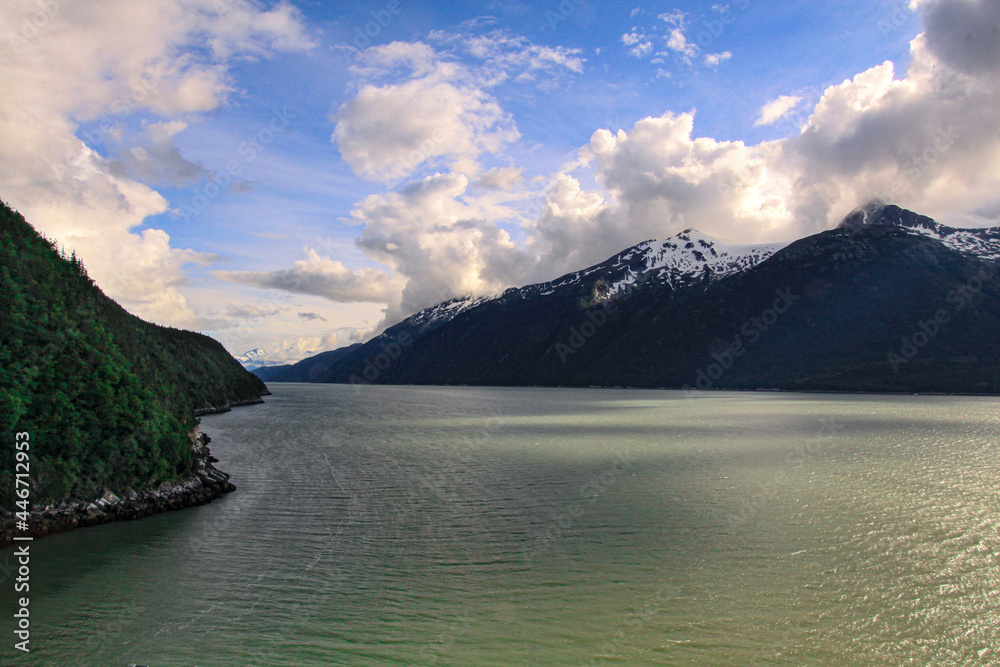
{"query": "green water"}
pixel 393 526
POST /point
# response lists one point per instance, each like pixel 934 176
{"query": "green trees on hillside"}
pixel 106 397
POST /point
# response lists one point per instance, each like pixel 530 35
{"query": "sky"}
pixel 296 176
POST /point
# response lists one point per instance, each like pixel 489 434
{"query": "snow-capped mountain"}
pixel 842 310
pixel 255 358
pixel 981 243
pixel 686 258
pixel 251 355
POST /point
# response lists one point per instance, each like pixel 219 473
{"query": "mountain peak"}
pixel 982 243
pixel 874 213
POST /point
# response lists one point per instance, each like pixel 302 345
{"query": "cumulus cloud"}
pixel 678 43
pixel 637 43
pixel 445 245
pixel 321 276
pixel 716 59
pixel 442 113
pixel 777 109
pixel 103 62
pixel 388 132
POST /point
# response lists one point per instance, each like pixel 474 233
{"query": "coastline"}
pixel 200 486
pixel 229 405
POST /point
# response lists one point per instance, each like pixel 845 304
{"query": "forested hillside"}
pixel 107 398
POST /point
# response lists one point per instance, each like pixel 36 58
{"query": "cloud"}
pixel 964 34
pixel 639 45
pixel 678 43
pixel 154 159
pixel 716 59
pixel 250 311
pixel 443 241
pixel 777 109
pixel 514 54
pixel 419 58
pixel 501 178
pixel 309 317
pixel 321 276
pixel 70 90
pixel 388 132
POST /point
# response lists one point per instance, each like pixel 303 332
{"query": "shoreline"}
pixel 690 390
pixel 200 486
pixel 229 405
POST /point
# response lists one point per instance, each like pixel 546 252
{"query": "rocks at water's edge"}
pixel 229 405
pixel 202 485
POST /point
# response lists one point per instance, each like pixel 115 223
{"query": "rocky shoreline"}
pixel 229 405
pixel 202 485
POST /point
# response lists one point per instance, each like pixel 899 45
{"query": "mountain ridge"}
pixel 108 399
pixel 589 328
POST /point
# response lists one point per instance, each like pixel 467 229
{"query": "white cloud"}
pixel 777 109
pixel 639 45
pixel 716 59
pixel 322 276
pixel 379 60
pixel 678 43
pixel 677 19
pixel 104 61
pixel 388 132
pixel 445 243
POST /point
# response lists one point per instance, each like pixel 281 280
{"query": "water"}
pixel 392 525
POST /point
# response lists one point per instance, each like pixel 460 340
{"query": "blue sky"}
pixel 278 181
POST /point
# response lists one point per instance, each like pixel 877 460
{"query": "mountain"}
pixel 685 259
pixel 306 370
pixel 888 301
pixel 108 399
pixel 255 358
pixel 251 355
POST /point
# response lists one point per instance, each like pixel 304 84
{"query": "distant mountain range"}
pixel 256 358
pixel 889 301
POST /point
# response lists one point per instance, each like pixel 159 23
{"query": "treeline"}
pixel 106 397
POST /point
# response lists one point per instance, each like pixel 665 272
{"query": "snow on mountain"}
pixel 253 359
pixel 679 260
pixel 981 243
pixel 250 355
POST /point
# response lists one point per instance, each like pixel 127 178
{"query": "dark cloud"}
pixel 965 34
